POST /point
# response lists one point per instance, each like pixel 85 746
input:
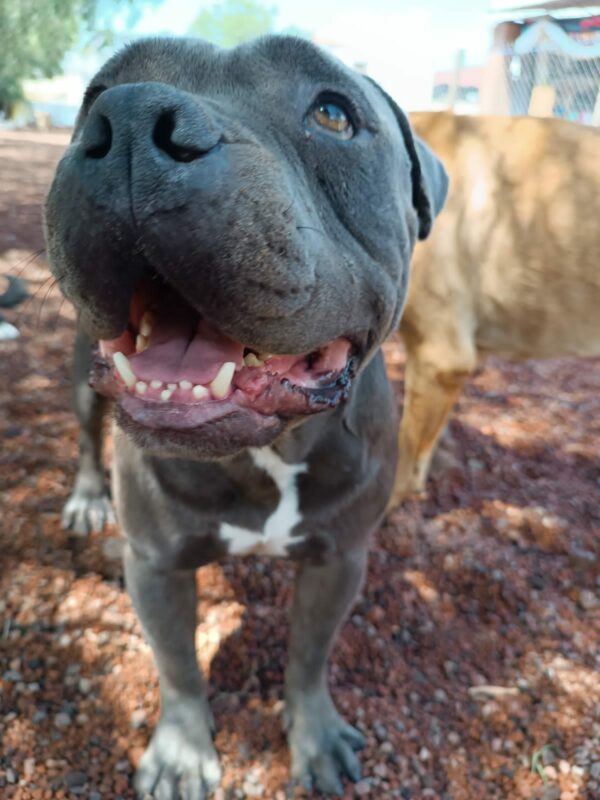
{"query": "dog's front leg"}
pixel 322 744
pixel 180 762
pixel 88 507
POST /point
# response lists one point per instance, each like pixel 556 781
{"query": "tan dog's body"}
pixel 512 268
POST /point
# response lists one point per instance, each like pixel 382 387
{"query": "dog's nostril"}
pixel 101 138
pixel 163 139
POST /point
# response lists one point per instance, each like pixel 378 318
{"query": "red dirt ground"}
pixel 492 579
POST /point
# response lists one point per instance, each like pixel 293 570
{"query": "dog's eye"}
pixel 331 115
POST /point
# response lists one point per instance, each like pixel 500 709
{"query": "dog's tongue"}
pixel 181 347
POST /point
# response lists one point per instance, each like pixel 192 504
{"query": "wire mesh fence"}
pixel 550 74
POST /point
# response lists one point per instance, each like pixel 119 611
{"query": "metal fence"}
pixel 550 74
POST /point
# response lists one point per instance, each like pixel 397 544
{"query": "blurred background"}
pixel 474 56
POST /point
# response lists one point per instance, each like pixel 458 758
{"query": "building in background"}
pixel 544 61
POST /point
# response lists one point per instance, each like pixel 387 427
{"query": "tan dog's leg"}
pixel 433 382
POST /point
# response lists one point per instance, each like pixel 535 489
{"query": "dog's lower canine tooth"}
pixel 156 384
pixel 141 387
pixel 147 323
pixel 200 392
pixel 141 343
pixel 220 385
pixel 166 394
pixel 123 367
pixel 253 361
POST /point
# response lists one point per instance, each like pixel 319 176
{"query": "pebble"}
pixel 424 754
pixel 595 770
pixel 551 791
pixel 12 676
pixel 440 696
pixel 588 600
pixel 28 767
pixel 138 718
pixel 84 685
pixel 76 779
pixel 62 720
pixel 564 767
pixel 380 731
pixel 11 776
pixel 362 788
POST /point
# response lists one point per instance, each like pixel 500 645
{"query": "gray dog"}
pixel 235 229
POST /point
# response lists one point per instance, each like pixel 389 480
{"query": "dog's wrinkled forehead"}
pixel 276 66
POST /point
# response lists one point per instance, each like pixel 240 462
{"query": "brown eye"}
pixel 333 118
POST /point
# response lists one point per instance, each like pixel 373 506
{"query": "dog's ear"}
pixel 429 178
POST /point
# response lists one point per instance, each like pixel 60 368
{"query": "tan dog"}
pixel 512 267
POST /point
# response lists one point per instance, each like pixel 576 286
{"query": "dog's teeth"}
pixel 123 367
pixel 220 385
pixel 156 384
pixel 141 343
pixel 147 323
pixel 200 392
pixel 171 386
pixel 265 356
pixel 166 395
pixel 141 387
pixel 252 361
pixel 185 385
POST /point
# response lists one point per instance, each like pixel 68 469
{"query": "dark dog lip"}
pixel 184 401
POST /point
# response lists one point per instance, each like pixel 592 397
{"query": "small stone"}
pixel 29 767
pixel 454 738
pixel 362 788
pixel 76 779
pixel 564 767
pixel 588 600
pixel 39 716
pixel 577 771
pixel 138 718
pixel 380 731
pixel 84 685
pixel 440 696
pixel 424 754
pixel 595 770
pixel 62 720
pixel 551 791
pixel 123 765
pixel 11 776
pixel 12 676
pixel 381 770
pixel 95 796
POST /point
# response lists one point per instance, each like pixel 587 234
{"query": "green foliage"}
pixel 36 34
pixel 231 22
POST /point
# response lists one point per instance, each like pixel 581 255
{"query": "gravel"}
pixel 491 579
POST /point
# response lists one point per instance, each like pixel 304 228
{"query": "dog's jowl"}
pixel 235 229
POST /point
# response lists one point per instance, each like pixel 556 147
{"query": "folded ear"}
pixel 429 178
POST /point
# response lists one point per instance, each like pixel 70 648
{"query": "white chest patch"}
pixel 276 535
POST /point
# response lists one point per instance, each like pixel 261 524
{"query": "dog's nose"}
pixel 163 120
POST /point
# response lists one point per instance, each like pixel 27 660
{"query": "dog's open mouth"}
pixel 172 369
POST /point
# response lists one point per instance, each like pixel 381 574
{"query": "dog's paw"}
pixel 322 747
pixel 87 511
pixel 179 764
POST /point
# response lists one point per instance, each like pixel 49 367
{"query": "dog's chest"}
pixel 277 532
